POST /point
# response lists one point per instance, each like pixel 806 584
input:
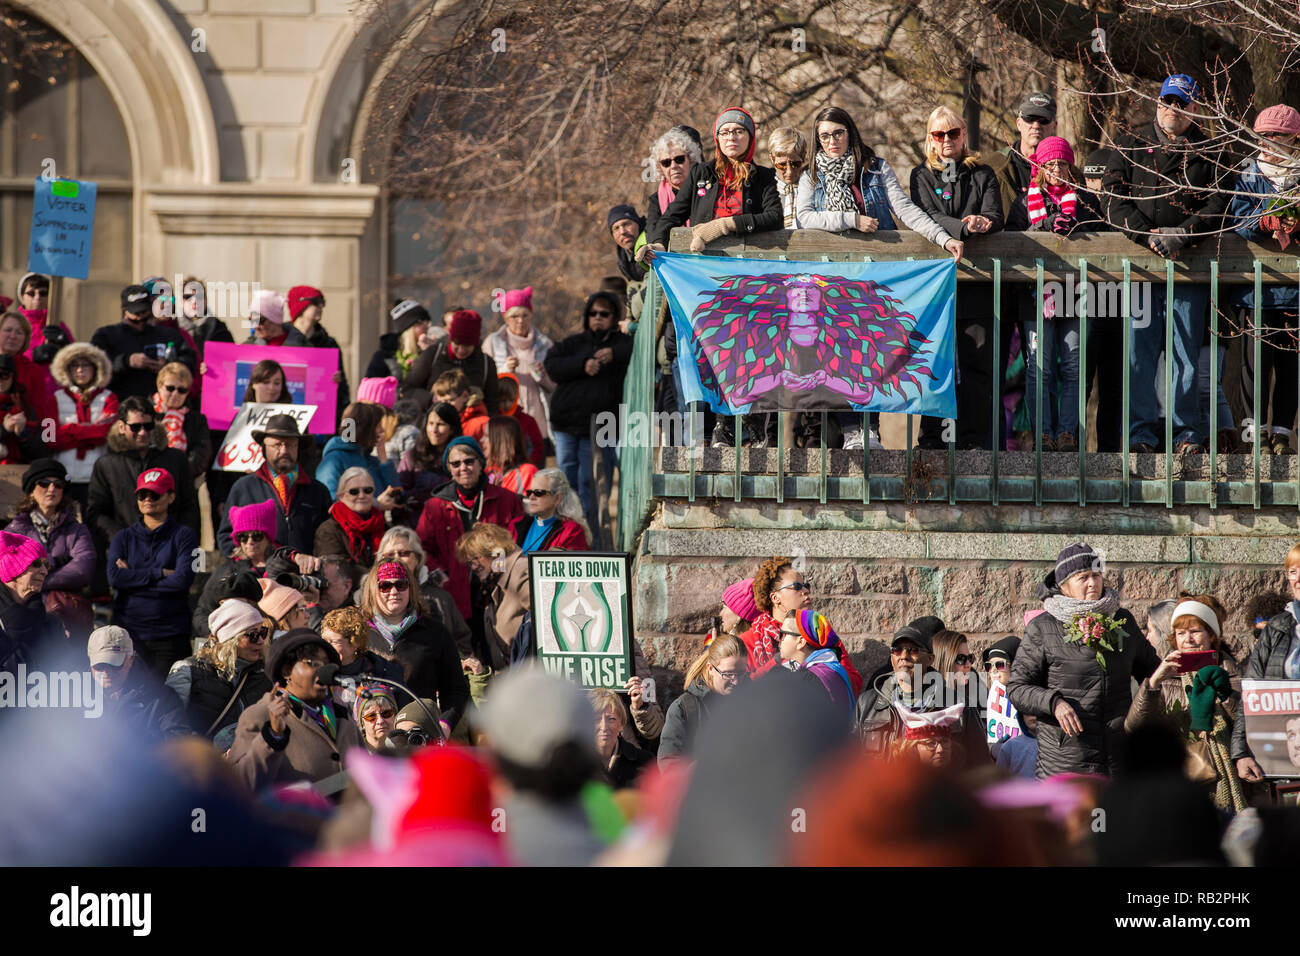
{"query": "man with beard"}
pixel 294 733
pixel 301 503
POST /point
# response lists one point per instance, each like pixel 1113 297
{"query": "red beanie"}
pixel 465 327
pixel 301 296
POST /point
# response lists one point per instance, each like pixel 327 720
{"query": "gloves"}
pixel 1168 240
pixel 706 232
pixel 1062 224
pixel 1210 682
pixel 647 249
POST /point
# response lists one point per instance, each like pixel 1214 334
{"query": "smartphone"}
pixel 1193 661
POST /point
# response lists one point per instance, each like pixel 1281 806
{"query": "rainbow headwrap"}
pixel 367 691
pixel 815 629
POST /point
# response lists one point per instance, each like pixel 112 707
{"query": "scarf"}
pixel 282 485
pixel 364 534
pixel 470 506
pixel 1066 609
pixel 391 632
pixel 666 196
pixel 323 715
pixel 42 526
pixel 825 656
pixel 173 420
pixel 1063 195
pixel 837 174
pixel 1282 177
pixel 764 642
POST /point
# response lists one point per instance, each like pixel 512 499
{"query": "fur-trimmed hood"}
pixel 81 350
pixel 117 441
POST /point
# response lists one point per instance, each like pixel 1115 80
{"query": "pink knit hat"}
pixel 17 553
pixel 1053 148
pixel 740 599
pixel 258 517
pixel 1276 119
pixel 516 297
pixel 267 303
pixel 380 391
pixel 277 600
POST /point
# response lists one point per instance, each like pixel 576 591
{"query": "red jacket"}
pixel 440 528
pixel 565 535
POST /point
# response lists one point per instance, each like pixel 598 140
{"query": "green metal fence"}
pixel 1010 258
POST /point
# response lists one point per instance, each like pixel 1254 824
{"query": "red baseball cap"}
pixel 155 479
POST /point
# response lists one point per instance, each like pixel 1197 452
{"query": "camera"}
pixel 415 737
pixel 302 582
pixel 55 339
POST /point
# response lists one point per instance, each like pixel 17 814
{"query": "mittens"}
pixel 1210 682
pixel 1062 224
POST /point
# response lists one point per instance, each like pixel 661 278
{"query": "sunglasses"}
pixel 995 666
pixel 73 366
pixel 797 586
pixel 673 161
pixel 369 490
pixel 394 555
pixel 600 313
pixel 1172 101
pixel 257 635
pixel 397 585
pixel 52 483
pixel 795 634
pixel 461 462
pixel 536 493
pixel 176 388
pixel 145 494
pixel 37 293
pixel 942 134
pixel 40 564
pixel 244 537
pixel 139 427
pixel 792 164
pixel 374 715
pixel 961 660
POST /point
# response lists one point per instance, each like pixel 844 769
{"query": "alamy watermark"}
pixel 225 300
pixel 21 688
pixel 1103 300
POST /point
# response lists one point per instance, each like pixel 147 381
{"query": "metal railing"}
pixel 648 474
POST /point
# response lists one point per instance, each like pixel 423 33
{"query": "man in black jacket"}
pixel 135 444
pixel 462 351
pixel 588 368
pixel 306 304
pixel 145 707
pixel 1163 181
pixel 140 348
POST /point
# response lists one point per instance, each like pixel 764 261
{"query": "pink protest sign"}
pixel 308 372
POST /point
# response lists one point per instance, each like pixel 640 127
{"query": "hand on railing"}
pixel 866 224
pixel 956 247
pixel 1168 240
pixel 647 252
pixel 706 232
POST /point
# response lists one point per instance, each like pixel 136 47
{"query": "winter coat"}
pixel 565 535
pixel 24 445
pixel 38 319
pixel 384 362
pixel 305 753
pixel 440 526
pixel 973 193
pixel 146 709
pixel 884 200
pixel 821 667
pixel 38 387
pixel 879 725
pixel 437 359
pixel 442 607
pixel 320 339
pixel 210 329
pixel 533 403
pixel 121 341
pixel 682 722
pixel 341 455
pixel 198 440
pixel 509 601
pixel 204 691
pixel 418 484
pixel 151 605
pixel 1014 175
pixel 111 504
pixel 1089 213
pixel 431 666
pixel 1047 670
pixel 309 506
pixel 760 204
pixel 1153 184
pixel 1251 193
pixel 82 417
pixel 626 764
pixel 1267 661
pixel 578 396
pixel 332 539
pixel 215 588
pixel 27 633
pixel 72 553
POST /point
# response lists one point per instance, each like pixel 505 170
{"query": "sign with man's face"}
pixel 1271 709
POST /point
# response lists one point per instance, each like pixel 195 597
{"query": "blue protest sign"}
pixel 63 221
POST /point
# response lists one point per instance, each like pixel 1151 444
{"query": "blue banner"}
pixel 63 223
pixel 756 335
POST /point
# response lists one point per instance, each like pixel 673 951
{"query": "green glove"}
pixel 1210 682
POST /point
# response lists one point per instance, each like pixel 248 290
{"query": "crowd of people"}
pixel 1167 184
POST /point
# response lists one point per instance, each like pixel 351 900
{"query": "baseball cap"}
pixel 917 637
pixel 1180 85
pixel 155 479
pixel 1038 106
pixel 530 713
pixel 137 300
pixel 109 645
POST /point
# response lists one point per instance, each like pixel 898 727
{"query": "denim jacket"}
pixel 1252 192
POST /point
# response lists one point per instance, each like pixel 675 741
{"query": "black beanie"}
pixel 623 211
pixel 43 468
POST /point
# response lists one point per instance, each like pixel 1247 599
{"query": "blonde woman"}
pixel 187 427
pixel 961 194
pixel 620 761
pixel 717 672
pixel 227 674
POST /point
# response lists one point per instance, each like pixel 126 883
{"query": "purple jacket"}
pixel 72 553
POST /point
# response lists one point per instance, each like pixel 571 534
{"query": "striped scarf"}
pixel 1063 196
pixel 391 632
pixel 173 420
pixel 282 484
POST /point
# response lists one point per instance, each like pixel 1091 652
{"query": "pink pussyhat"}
pixel 17 554
pixel 378 391
pixel 514 297
pixel 1053 148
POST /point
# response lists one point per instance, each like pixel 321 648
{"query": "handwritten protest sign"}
pixel 240 452
pixel 1272 712
pixel 582 615
pixel 309 374
pixel 1002 714
pixel 63 222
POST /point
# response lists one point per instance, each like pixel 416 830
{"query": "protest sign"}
pixel 63 223
pixel 1001 720
pixel 240 452
pixel 309 374
pixel 1271 709
pixel 582 615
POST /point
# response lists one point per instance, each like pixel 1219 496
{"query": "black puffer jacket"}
pixel 1267 661
pixel 578 396
pixel 431 666
pixel 1047 669
pixel 204 691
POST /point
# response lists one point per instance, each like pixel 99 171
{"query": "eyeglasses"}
pixel 953 134
pixel 536 493
pixel 394 555
pixel 600 314
pixel 368 490
pixel 673 161
pixel 731 132
pixel 731 677
pixel 51 483
pixel 962 660
pixel 832 135
pixel 245 537
pixel 139 427
pixel 995 666
pixel 792 164
pixel 396 585
pixel 37 293
pixel 374 715
pixel 144 494
pixel 461 462
pixel 796 586
pixel 257 635
pixel 1056 166
pixel 176 388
